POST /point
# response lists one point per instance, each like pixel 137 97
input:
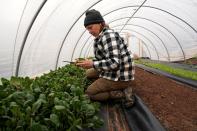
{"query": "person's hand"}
pixel 85 64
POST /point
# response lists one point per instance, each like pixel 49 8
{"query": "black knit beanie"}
pixel 93 17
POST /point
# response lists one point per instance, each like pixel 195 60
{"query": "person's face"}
pixel 94 29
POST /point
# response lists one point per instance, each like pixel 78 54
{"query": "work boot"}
pixel 129 97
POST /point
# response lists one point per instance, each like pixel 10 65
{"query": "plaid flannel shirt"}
pixel 112 57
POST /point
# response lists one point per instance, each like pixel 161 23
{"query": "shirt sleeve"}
pixel 111 52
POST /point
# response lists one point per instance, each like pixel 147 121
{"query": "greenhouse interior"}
pixel 48 47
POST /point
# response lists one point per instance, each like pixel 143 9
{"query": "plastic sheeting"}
pixel 136 118
pixel 36 36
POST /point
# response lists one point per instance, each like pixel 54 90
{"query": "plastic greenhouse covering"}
pixel 37 35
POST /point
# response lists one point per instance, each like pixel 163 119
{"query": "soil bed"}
pixel 174 104
pixel 191 61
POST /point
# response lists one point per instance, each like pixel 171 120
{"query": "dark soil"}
pixel 174 104
pixel 191 61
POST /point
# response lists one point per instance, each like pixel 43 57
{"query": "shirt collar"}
pixel 97 38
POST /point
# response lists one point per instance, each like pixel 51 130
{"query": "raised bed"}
pixel 173 103
pixel 56 101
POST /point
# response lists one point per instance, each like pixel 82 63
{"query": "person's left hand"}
pixel 85 64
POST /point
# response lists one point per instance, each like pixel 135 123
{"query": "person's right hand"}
pixel 86 64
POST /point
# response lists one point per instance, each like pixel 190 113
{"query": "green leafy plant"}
pixel 54 101
pixel 171 70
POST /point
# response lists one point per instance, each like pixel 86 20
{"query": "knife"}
pixel 71 62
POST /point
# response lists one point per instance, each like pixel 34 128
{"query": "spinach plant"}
pixel 54 101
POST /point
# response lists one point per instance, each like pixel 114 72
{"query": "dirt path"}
pixel 174 104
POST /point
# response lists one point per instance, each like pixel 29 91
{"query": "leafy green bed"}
pixel 171 70
pixel 54 101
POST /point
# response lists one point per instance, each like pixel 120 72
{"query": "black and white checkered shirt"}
pixel 112 57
